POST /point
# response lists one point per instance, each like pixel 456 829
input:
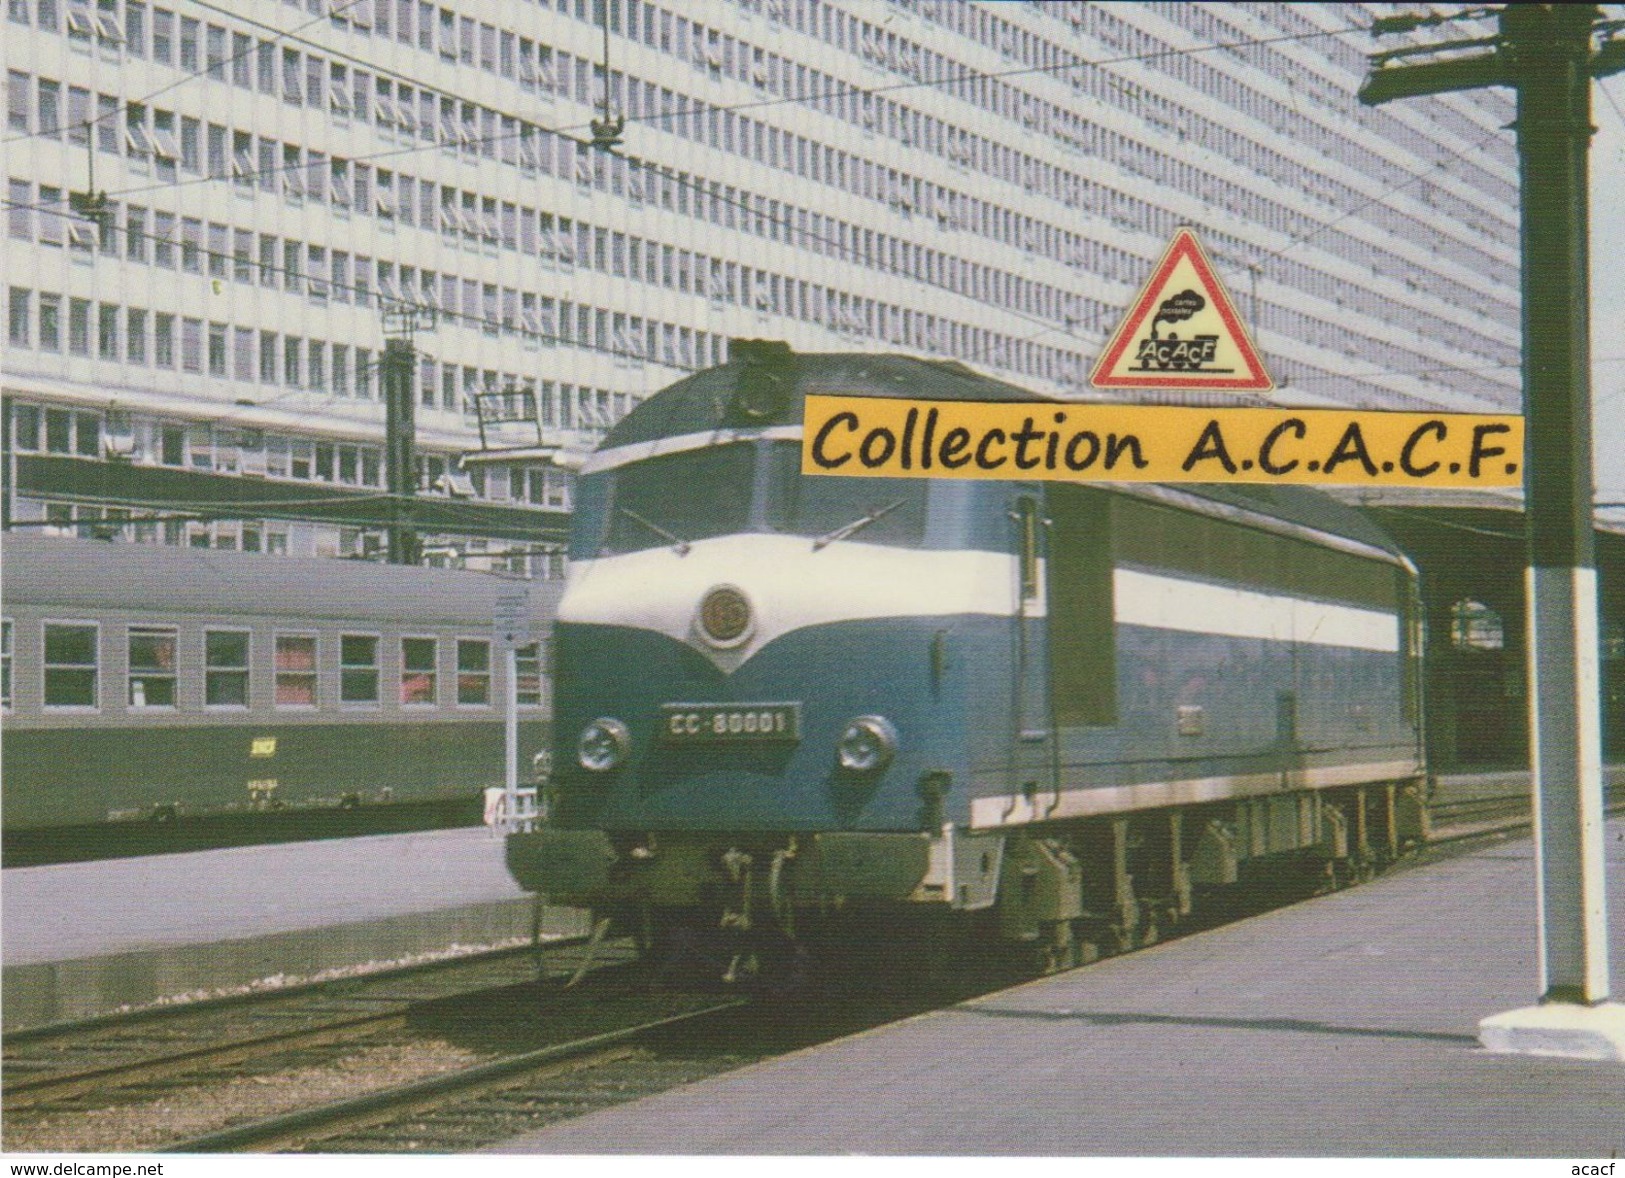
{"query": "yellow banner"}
pixel 1158 443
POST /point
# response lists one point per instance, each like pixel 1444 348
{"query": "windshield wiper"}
pixel 679 545
pixel 856 526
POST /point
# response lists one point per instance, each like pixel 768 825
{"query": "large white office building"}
pixel 983 182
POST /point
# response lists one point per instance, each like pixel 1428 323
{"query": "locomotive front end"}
pixel 758 676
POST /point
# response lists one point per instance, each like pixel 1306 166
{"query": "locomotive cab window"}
pixel 152 667
pixel 71 664
pixel 862 510
pixel 678 498
pixel 1082 642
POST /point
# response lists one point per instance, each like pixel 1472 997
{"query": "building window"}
pixel 473 671
pixel 20 314
pixel 225 668
pixel 358 669
pixel 418 671
pixel 70 665
pixel 152 667
pixel 295 670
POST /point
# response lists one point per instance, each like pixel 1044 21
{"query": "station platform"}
pixel 80 939
pixel 1344 1026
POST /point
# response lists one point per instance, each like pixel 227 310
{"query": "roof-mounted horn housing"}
pixel 763 384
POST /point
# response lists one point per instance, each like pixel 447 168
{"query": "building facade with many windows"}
pixel 195 357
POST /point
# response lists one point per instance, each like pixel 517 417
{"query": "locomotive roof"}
pixel 703 403
pixel 93 576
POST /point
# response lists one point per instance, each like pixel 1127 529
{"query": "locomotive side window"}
pixel 152 667
pixel 295 670
pixel 682 497
pixel 1082 611
pixel 418 671
pixel 473 671
pixel 358 669
pixel 71 664
pixel 225 668
pixel 820 506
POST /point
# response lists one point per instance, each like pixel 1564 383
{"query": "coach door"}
pixel 1032 763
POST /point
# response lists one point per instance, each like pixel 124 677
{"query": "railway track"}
pixel 443 1056
pixel 1470 817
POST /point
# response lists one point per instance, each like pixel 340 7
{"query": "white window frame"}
pixel 315 671
pixel 132 672
pixel 246 670
pixel 434 671
pixel 376 667
pixel 45 668
pixel 457 670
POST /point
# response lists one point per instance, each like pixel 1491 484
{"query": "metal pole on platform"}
pixel 1552 47
pixel 1544 52
pixel 510 737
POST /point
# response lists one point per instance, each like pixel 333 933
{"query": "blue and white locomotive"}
pixel 1062 708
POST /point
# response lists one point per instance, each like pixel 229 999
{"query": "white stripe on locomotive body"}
pixel 790 587
pixel 1199 607
pixel 1091 801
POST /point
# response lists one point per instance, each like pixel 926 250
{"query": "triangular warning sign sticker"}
pixel 1182 332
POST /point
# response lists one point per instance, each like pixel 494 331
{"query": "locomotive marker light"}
pixel 872 436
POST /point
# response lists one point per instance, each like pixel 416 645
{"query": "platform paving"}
pixel 79 939
pixel 1342 1026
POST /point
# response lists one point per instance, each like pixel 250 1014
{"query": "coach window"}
pixel 418 671
pixel 473 671
pixel 225 668
pixel 358 669
pixel 152 667
pixel 528 668
pixel 295 670
pixel 5 664
pixel 70 665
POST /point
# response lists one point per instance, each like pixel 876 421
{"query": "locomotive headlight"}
pixel 604 744
pixel 725 617
pixel 867 745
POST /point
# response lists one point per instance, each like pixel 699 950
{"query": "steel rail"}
pixel 374 1106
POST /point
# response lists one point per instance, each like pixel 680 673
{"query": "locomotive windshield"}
pixel 878 511
pixel 674 499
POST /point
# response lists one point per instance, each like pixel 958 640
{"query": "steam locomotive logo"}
pixel 1209 349
pixel 1162 354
